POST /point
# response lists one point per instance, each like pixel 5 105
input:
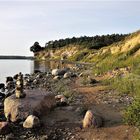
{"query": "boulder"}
pixel 10 85
pixel 36 102
pixel 4 128
pixel 2 95
pixel 91 119
pixel 56 72
pixel 56 78
pixel 15 76
pixel 61 100
pixel 31 122
pixel 67 75
pixel 2 85
pixel 9 79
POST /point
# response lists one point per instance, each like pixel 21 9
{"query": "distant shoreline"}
pixel 16 57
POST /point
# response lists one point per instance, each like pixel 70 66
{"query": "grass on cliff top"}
pixel 116 61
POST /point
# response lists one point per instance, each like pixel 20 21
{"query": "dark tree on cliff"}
pixel 95 42
pixel 36 47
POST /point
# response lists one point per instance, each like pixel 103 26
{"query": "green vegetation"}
pixel 128 85
pixel 111 62
pixel 36 47
pixel 132 113
pixel 132 51
pixel 79 56
pixel 61 87
pixel 95 42
pixel 116 55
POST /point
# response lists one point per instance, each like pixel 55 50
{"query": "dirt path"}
pixel 65 123
pixel 111 111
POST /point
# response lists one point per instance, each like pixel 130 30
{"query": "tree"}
pixel 36 47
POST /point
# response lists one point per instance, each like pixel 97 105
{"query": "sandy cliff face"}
pixel 58 53
pixel 130 44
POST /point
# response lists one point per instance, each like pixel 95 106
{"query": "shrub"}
pixel 132 113
pixel 124 85
pixel 129 85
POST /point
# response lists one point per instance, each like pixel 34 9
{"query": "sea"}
pixel 10 67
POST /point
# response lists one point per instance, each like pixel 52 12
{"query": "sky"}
pixel 22 22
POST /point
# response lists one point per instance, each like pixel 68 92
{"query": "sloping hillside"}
pixel 74 48
pixel 120 54
pixel 117 88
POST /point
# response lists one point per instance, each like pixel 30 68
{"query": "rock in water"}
pixel 36 102
pixel 4 128
pixel 91 119
pixel 31 122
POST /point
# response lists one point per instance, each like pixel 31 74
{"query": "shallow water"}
pixel 10 67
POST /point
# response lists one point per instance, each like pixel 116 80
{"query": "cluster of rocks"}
pixel 25 101
pixel 62 73
pixel 23 104
pixel 111 97
pixel 118 72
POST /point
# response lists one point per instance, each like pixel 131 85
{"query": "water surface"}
pixel 10 67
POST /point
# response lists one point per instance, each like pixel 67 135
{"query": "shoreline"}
pixel 17 57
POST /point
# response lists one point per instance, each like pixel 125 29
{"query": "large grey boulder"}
pixel 36 102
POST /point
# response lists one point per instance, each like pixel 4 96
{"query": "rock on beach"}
pixel 36 102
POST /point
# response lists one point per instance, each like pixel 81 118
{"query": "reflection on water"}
pixel 11 67
pixel 45 66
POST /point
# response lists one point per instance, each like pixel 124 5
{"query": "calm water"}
pixel 12 67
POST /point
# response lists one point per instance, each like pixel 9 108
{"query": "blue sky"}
pixel 24 22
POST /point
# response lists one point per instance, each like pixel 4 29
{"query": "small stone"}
pixel 55 72
pixel 44 137
pixel 56 78
pixel 31 122
pixel 61 100
pixel 67 75
pixel 2 85
pixel 4 128
pixel 9 79
pixel 11 137
pixel 59 96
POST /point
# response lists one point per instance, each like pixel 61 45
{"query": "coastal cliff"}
pixel 123 51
